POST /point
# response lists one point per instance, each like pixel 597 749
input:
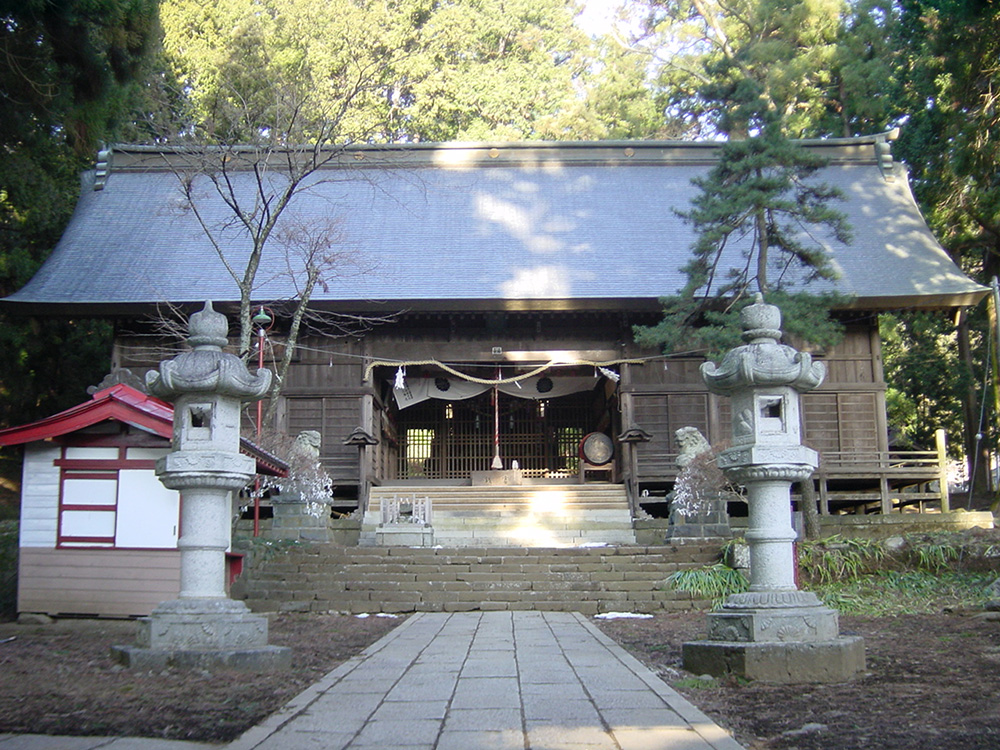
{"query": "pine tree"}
pixel 755 218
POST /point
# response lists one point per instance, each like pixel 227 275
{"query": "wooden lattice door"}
pixel 450 440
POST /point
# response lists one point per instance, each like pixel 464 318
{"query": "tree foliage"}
pixel 455 70
pixel 71 66
pixel 720 58
pixel 69 75
pixel 926 379
pixel 758 207
pixel 949 80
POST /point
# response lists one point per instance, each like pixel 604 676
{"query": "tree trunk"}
pixel 810 513
pixel 763 245
pixel 994 366
pixel 294 328
pixel 976 454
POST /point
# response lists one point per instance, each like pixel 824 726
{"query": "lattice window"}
pixel 449 440
pixel 840 422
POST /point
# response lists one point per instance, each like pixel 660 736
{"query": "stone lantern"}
pixel 773 632
pixel 203 627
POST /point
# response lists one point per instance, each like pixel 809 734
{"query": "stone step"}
pixel 539 495
pixel 294 557
pixel 511 516
pixel 393 579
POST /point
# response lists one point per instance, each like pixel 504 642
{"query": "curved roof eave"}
pixel 962 298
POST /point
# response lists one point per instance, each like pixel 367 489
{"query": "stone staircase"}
pixel 328 578
pixel 505 516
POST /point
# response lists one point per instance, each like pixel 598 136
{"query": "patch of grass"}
pixel 934 555
pixel 891 592
pixel 928 573
pixel 945 550
pixel 714 582
pixel 834 559
pixel 695 683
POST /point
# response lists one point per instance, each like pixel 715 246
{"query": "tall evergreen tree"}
pixel 757 202
pixel 69 72
pixel 951 141
pixel 750 217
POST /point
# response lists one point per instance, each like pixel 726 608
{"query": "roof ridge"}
pixel 462 154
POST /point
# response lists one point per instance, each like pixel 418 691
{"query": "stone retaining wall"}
pixel 882 526
pixel 292 522
pixel 323 578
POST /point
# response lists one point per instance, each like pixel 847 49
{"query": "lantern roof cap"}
pixel 762 361
pixel 207 369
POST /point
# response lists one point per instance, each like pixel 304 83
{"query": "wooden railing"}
pixel 891 470
pixel 903 462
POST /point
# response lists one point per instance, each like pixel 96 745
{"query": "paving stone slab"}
pixel 557 708
pixel 397 733
pixel 642 718
pixel 427 703
pixel 411 710
pixel 487 692
pixel 481 740
pixel 661 739
pixel 483 719
pixel 543 737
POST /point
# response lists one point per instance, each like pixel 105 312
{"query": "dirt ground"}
pixel 60 679
pixel 933 682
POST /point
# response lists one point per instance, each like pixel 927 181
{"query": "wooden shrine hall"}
pixel 509 277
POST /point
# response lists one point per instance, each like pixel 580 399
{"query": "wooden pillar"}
pixel 824 496
pixel 883 493
pixel 365 457
pixel 941 444
pixel 630 456
pixel 878 373
pixel 882 427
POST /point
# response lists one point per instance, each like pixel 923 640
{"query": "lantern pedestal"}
pixel 774 632
pixel 837 660
pixel 203 628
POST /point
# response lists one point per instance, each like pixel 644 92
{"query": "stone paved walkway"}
pixel 469 681
pixel 490 681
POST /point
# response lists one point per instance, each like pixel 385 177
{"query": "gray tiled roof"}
pixel 447 226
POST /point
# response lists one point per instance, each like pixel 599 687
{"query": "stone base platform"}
pixel 837 660
pixel 209 633
pixel 261 659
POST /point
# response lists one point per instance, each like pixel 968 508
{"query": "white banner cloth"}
pixel 447 388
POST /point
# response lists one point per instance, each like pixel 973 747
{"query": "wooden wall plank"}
pixel 107 583
pixel 335 417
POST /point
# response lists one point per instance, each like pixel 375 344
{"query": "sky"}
pixel 597 15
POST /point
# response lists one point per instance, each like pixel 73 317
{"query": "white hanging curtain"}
pixel 448 388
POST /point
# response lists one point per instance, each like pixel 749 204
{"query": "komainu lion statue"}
pixel 692 444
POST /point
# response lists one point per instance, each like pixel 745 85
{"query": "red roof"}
pixel 119 402
pixel 124 404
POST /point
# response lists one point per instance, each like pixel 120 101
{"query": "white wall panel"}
pixel 39 495
pixel 148 513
